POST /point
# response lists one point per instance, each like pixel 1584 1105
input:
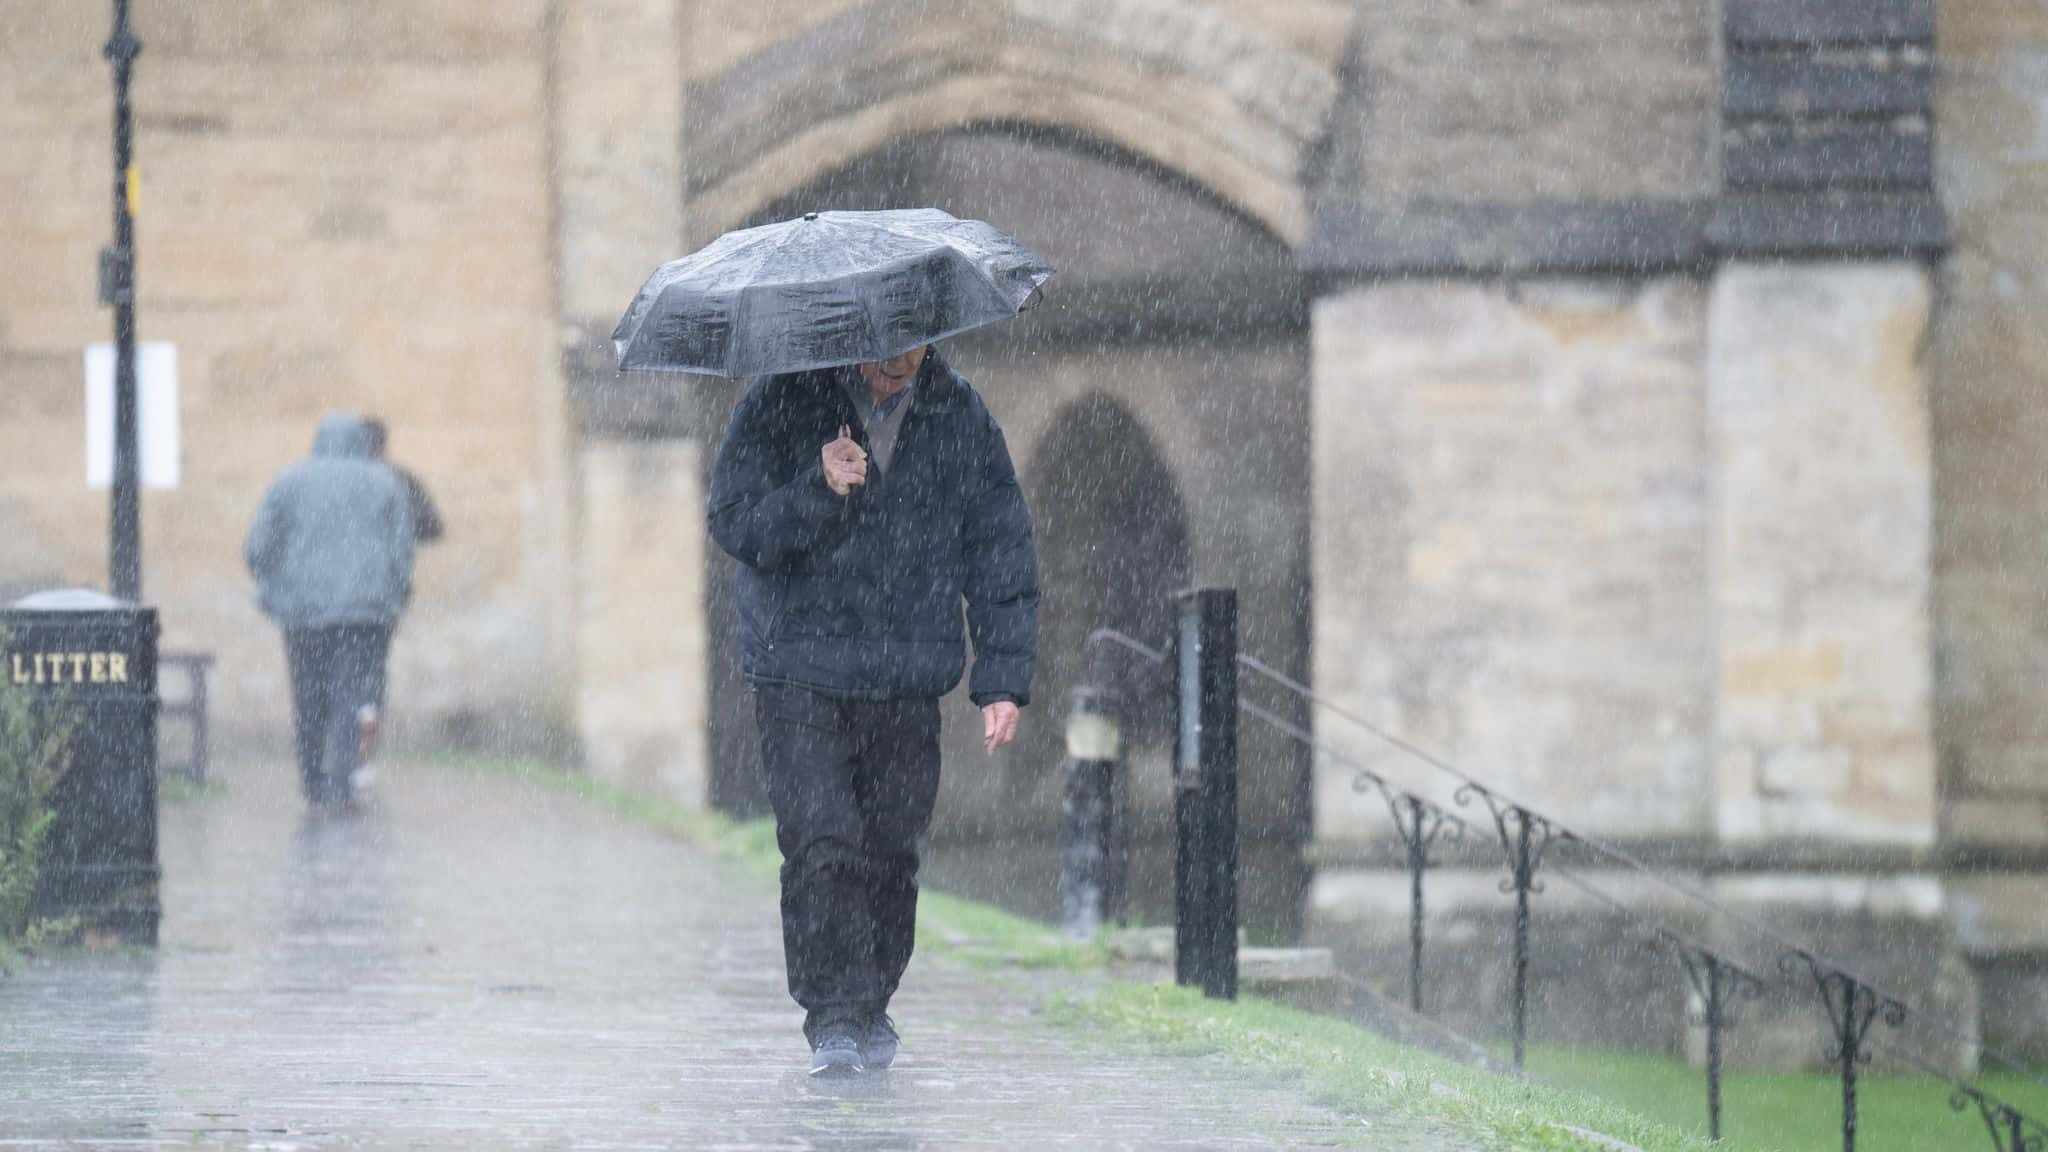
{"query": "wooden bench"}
pixel 191 707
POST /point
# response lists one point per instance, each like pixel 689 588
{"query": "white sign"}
pixel 156 411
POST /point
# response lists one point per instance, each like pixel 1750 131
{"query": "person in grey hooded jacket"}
pixel 331 549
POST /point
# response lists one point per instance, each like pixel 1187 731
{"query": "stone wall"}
pixel 1989 362
pixel 1598 99
pixel 641 642
pixel 1653 558
pixel 1823 499
pixel 1510 556
pixel 342 207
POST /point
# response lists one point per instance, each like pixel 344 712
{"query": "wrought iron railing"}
pixel 1717 981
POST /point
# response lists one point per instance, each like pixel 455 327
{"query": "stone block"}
pixel 1534 102
pixel 2015 992
pixel 1806 156
pixel 1283 966
pixel 1509 564
pixel 1782 673
pixel 619 131
pixel 1892 930
pixel 1596 977
pixel 1997 913
pixel 1976 29
pixel 1774 85
pixel 1155 945
pixel 1989 820
pixel 641 640
pixel 1351 237
pixel 1281 81
pixel 1795 770
pixel 1992 594
pixel 1829 223
pixel 426 29
pixel 719 33
pixel 41 388
pixel 1800 23
pixel 1822 538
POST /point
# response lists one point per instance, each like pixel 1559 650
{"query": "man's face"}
pixel 888 377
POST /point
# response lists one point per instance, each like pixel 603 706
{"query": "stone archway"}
pixel 1171 356
pixel 1219 92
pixel 1112 532
pixel 1212 111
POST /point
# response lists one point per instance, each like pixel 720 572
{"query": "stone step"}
pixel 1255 966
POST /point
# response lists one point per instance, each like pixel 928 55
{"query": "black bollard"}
pixel 1205 794
pixel 1088 848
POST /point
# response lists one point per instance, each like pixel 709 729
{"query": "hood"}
pixel 342 435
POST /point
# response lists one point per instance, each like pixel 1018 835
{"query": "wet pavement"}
pixel 473 963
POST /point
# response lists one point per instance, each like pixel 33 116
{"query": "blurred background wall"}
pixel 1633 400
pixel 342 207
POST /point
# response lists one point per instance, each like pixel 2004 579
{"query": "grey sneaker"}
pixel 878 1048
pixel 837 1054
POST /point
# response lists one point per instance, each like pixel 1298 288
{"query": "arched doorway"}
pixel 1112 531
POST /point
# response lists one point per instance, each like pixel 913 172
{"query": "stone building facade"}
pixel 1627 399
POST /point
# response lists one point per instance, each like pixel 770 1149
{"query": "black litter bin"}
pixel 90 662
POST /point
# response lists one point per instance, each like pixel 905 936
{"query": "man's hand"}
pixel 846 463
pixel 998 724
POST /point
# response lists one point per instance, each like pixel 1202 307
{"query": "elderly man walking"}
pixel 331 549
pixel 866 504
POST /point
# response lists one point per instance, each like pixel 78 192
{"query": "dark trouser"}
pixel 382 662
pixel 335 671
pixel 852 783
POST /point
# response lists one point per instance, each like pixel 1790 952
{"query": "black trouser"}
pixel 382 662
pixel 852 783
pixel 335 671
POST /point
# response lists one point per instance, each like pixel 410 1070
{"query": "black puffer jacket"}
pixel 860 595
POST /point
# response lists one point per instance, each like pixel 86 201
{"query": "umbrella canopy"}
pixel 826 289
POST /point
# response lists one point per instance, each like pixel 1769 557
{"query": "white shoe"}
pixel 367 724
pixel 366 743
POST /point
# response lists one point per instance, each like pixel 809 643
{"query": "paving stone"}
pixel 470 962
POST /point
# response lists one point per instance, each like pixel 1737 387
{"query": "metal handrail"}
pixel 1591 843
pixel 1861 1000
pixel 1720 983
pixel 1853 1003
pixel 1418 823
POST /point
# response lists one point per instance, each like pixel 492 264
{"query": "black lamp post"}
pixel 117 287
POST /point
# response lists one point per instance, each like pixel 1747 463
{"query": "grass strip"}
pixel 180 790
pixel 1345 1066
pixel 1801 1112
